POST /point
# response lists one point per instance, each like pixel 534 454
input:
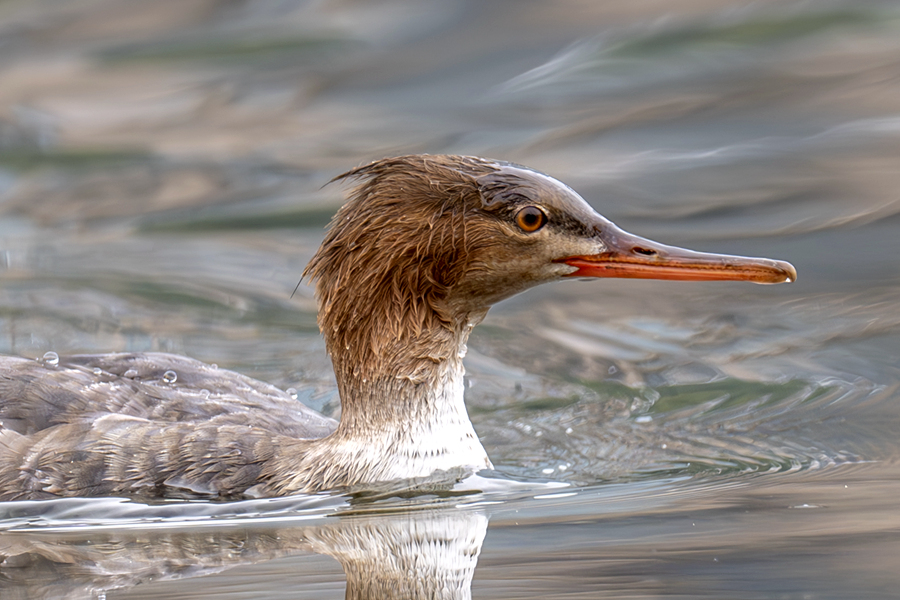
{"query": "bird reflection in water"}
pixel 416 554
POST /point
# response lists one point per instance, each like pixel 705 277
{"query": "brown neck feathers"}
pixel 385 271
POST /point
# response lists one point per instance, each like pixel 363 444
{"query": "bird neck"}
pixel 405 416
pixel 396 337
pixel 402 417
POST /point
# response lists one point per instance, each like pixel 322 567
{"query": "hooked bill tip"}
pixel 788 272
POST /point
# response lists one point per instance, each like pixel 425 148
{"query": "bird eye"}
pixel 530 219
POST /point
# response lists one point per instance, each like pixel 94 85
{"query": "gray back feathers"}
pixel 118 425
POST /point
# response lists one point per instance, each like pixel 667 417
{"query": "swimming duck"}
pixel 410 264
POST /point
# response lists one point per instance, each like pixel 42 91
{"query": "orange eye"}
pixel 530 219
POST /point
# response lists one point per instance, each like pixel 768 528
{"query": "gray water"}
pixel 161 173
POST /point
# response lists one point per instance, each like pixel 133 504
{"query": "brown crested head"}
pixel 427 243
pixel 424 244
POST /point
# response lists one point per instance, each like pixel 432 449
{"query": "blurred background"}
pixel 161 188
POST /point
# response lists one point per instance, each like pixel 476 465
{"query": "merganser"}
pixel 410 264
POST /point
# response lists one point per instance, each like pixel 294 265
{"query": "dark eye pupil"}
pixel 531 218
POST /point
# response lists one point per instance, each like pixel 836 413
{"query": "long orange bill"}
pixel 633 257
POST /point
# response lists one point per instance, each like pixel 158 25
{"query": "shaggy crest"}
pixel 416 210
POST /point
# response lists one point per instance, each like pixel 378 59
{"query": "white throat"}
pixel 437 435
pixel 430 433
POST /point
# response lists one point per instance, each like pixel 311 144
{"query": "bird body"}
pixel 410 264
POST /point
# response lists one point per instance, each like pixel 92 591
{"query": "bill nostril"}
pixel 644 251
